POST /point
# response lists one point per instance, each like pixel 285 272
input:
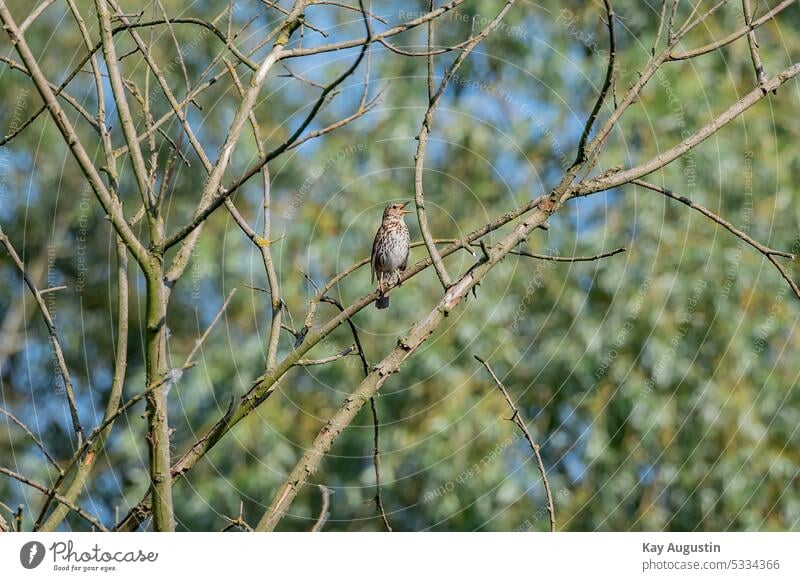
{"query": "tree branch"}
pixel 553 258
pixel 517 419
pixel 110 204
pixel 422 137
pixel 607 83
pixel 622 177
pixel 96 440
pixel 41 488
pixel 761 76
pixel 323 512
pixel 51 329
pixel 711 47
pixel 391 364
pixel 769 253
pixel 262 242
pixel 33 437
pixel 264 386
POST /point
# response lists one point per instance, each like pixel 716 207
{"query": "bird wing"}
pixel 372 258
pixel 404 263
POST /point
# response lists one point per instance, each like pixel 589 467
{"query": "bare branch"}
pixel 753 97
pixel 607 83
pixel 770 253
pixel 41 488
pixel 705 49
pixel 517 419
pixel 671 25
pixel 35 13
pixel 262 242
pixel 198 344
pixel 761 76
pixel 394 31
pixel 96 440
pixel 424 132
pixel 353 8
pixel 51 329
pixel 33 437
pixel 661 23
pixel 110 203
pixel 569 258
pixel 73 102
pixel 330 359
pixel 376 461
pixel 323 512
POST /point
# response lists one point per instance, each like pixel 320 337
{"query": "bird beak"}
pixel 404 210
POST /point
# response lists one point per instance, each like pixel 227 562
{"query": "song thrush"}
pixel 390 250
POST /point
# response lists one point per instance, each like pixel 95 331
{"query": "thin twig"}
pixel 262 242
pixel 33 437
pixel 330 359
pixel 376 454
pixel 770 253
pixel 51 329
pixel 394 31
pixel 199 342
pixel 431 69
pixel 238 522
pixel 353 8
pixel 41 488
pixel 517 419
pixel 671 25
pixel 710 47
pixel 607 83
pixel 761 75
pixel 324 513
pixel 553 258
pixel 691 24
pixel 660 30
pixel 376 460
pixel 424 132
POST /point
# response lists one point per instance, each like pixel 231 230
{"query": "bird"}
pixel 390 250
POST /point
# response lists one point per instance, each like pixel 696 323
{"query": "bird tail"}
pixel 382 302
